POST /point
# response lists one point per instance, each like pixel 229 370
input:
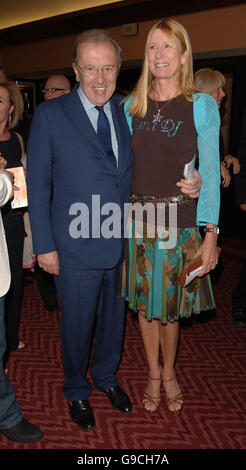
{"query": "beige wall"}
pixel 214 30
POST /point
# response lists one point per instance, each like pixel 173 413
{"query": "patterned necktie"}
pixel 104 133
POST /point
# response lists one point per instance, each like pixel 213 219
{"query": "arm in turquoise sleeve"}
pixel 128 117
pixel 207 122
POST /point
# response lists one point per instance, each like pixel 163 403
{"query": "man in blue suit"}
pixel 70 166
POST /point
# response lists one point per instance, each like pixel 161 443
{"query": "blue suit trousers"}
pixel 89 304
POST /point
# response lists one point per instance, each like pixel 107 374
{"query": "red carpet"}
pixel 210 366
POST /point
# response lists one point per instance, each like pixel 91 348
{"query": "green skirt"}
pixel 149 277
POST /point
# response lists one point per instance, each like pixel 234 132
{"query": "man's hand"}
pixel 49 262
pixel 191 187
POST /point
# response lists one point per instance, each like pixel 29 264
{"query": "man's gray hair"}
pixel 96 36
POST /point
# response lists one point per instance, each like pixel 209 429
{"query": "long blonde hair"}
pixel 146 82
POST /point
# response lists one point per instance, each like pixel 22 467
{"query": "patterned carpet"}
pixel 210 366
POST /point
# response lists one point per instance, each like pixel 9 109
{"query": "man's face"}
pixel 96 70
pixel 54 87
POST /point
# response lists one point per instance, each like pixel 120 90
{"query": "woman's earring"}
pixel 9 120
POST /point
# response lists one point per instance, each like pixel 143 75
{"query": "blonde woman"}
pixel 12 150
pixel 212 82
pixel 170 123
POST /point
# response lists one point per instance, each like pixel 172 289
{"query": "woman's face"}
pixel 165 56
pixel 5 105
pixel 218 95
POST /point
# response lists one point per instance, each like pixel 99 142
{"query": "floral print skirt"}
pixel 150 272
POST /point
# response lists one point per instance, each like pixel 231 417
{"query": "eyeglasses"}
pixel 92 71
pixel 52 90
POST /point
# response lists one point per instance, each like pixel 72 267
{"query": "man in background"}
pixel 55 86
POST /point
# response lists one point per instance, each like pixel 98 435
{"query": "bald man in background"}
pixel 55 86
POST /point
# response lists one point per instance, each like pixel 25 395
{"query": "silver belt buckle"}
pixel 177 199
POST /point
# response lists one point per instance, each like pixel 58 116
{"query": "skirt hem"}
pixel 152 316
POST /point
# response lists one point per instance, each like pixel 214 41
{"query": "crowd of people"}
pixel 88 141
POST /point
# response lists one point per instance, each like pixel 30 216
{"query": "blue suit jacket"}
pixel 67 164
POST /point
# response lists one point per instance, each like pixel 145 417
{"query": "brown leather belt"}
pixel 144 199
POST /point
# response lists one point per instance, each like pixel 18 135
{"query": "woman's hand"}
pixel 3 164
pixel 191 187
pixel 230 160
pixel 12 176
pixel 209 253
pixel 225 175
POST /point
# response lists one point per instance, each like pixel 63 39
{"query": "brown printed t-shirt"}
pixel 161 150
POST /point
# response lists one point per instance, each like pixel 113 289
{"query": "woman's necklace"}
pixel 158 117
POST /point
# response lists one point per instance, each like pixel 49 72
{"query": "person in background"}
pixel 170 124
pixel 55 86
pixel 212 82
pixel 12 149
pixel 12 423
pixel 238 313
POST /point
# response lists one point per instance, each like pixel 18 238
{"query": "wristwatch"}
pixel 214 230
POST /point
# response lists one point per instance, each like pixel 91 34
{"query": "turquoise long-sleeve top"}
pixel 207 123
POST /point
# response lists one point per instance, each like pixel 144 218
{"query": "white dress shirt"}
pixel 92 114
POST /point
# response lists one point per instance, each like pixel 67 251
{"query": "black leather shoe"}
pixel 82 414
pixel 23 432
pixel 239 315
pixel 118 398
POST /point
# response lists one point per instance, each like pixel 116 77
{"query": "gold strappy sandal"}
pixel 148 399
pixel 177 400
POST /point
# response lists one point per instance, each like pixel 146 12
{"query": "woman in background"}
pixel 12 149
pixel 212 82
